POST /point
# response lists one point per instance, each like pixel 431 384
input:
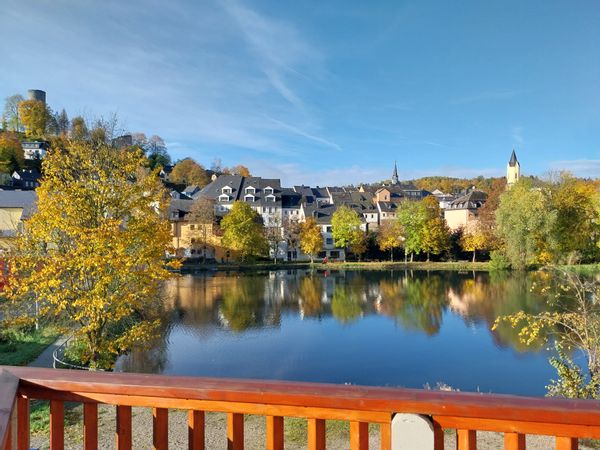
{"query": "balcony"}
pixel 465 412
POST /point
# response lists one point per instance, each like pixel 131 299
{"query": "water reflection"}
pixel 212 314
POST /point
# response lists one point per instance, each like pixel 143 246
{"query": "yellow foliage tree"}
pixel 11 153
pixel 311 239
pixel 34 116
pixel 93 251
pixel 390 236
pixel 474 238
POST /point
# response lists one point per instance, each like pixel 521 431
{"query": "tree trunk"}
pixel 312 259
pixel 427 256
pixel 474 251
pixel 391 255
pixel 405 257
pixel 412 257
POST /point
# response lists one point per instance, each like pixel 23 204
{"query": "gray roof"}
pixel 290 198
pixel 239 186
pixel 19 199
pixel 473 200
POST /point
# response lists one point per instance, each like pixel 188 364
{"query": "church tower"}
pixel 395 174
pixel 513 170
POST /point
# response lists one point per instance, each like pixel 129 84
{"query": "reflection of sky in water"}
pixel 371 328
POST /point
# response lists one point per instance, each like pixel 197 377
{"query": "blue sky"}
pixel 325 92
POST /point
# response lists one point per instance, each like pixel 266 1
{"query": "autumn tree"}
pixel 435 235
pixel 311 239
pixel 202 215
pixel 10 116
pixel 11 153
pixel 273 234
pixel 34 115
pixel 473 239
pixel 412 217
pixel 62 122
pixel 345 224
pixel 79 129
pixel 577 226
pixel 572 323
pixel 525 224
pixel 188 171
pixel 240 170
pixel 93 250
pixel 291 231
pixel 155 149
pixel 243 231
pixel 390 236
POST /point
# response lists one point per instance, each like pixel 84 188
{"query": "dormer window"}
pixel 226 190
pixel 270 198
pixel 268 190
pixel 223 198
pixel 249 198
pixel 250 190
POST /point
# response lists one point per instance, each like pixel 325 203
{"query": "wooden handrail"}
pixel 360 405
pixel 9 385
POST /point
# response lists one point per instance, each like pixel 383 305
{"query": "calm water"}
pixel 387 328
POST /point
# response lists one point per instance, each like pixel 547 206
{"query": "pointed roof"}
pixel 395 174
pixel 513 159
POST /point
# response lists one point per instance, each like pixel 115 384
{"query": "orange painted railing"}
pixel 465 412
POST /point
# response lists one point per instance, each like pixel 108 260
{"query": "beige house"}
pixel 463 212
pixel 15 207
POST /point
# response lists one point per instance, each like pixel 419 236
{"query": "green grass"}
pixel 23 347
pixel 40 416
pixel 296 430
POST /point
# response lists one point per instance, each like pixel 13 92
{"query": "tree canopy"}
pixel 243 231
pixel 311 239
pixel 188 171
pixel 93 250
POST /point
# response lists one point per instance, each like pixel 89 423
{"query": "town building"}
pixel 513 170
pixel 33 150
pixel 15 207
pixel 462 213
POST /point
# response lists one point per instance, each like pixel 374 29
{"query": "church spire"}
pixel 395 174
pixel 513 159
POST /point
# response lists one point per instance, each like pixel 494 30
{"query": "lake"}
pixel 384 328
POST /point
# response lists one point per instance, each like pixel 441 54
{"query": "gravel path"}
pixel 254 429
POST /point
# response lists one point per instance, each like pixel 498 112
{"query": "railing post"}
pixel 124 440
pixel 274 433
pixel 196 430
pixel 57 425
pixel 160 429
pixel 235 431
pixel 359 436
pixel 514 441
pixel 385 435
pixel 22 423
pixel 90 426
pixel 466 439
pixel 316 434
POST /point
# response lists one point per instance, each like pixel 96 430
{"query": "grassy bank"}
pixel 19 348
pixel 367 265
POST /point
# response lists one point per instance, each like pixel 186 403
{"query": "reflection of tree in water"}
pixel 310 293
pixel 346 305
pixel 242 302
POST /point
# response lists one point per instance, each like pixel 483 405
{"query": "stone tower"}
pixel 513 170
pixel 395 174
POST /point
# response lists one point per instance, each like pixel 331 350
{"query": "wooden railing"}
pixel 465 412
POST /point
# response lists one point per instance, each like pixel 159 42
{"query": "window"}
pixel 334 253
pixel 270 198
pixel 268 190
pixel 329 241
pixel 250 190
pixel 249 198
pixel 328 229
pixel 322 254
pixel 223 198
pixel 226 190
